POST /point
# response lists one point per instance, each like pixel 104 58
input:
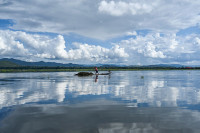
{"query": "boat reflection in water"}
pixel 136 101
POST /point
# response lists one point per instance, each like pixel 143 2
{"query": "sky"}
pixel 128 32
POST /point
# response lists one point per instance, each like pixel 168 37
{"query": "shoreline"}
pixel 18 70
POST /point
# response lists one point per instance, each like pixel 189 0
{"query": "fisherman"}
pixel 96 70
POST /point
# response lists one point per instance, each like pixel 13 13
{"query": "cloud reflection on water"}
pixel 157 88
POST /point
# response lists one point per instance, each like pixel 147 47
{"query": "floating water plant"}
pixel 84 74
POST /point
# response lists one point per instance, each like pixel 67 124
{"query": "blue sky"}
pixel 131 32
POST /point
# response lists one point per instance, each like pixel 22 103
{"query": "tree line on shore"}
pixel 92 67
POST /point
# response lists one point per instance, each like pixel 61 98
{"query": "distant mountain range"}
pixel 10 62
pixel 4 63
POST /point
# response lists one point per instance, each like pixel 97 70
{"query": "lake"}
pixel 123 102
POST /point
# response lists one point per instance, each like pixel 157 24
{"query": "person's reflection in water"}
pixel 96 78
pixel 109 74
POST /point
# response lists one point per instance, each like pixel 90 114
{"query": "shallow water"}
pixel 124 102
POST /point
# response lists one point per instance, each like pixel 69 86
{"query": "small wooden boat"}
pixel 103 73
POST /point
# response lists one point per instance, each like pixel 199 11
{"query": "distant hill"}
pixel 10 62
pixel 49 64
pixel 7 64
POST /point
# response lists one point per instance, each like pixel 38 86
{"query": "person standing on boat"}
pixel 96 70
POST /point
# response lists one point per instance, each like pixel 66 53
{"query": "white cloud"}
pixel 100 19
pixel 157 48
pixel 21 44
pixel 153 48
pixel 9 46
pixel 24 45
pixel 94 53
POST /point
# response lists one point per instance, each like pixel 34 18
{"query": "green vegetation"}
pixel 79 69
pixel 84 74
pixel 41 70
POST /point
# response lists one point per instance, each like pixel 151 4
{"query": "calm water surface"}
pixel 124 102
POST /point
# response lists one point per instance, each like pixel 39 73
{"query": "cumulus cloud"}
pixel 153 48
pixel 21 44
pixel 100 19
pixel 9 46
pixel 24 45
pixel 97 53
pixel 162 48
